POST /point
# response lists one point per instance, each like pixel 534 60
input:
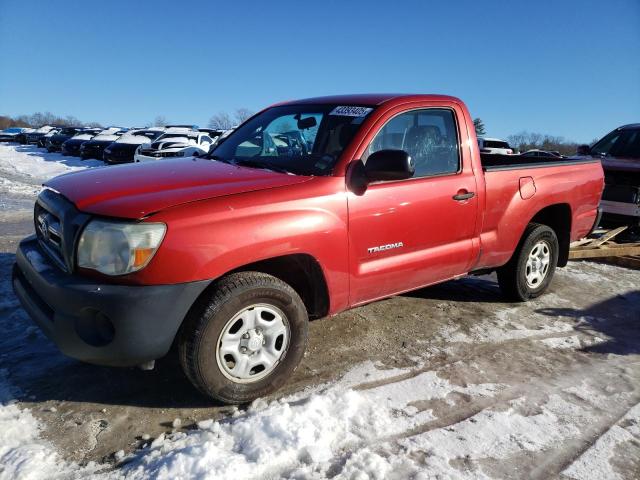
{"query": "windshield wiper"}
pixel 246 162
pixel 260 164
pixel 211 156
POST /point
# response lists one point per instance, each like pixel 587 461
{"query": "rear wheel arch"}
pixel 558 218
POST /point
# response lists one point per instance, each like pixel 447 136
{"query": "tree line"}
pixel 220 121
pixel 39 119
pixel 224 121
pixel 523 141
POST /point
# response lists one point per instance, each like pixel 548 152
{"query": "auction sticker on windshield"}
pixel 350 111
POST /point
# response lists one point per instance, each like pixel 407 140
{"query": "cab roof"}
pixel 372 99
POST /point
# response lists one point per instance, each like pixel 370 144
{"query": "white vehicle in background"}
pixel 175 142
pixel 494 145
pixel 124 148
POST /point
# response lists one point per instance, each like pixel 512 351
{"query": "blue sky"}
pixel 569 68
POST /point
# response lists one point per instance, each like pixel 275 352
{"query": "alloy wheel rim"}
pixel 253 343
pixel 538 262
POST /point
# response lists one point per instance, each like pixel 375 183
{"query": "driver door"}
pixel 411 233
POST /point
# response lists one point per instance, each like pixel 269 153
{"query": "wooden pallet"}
pixel 601 244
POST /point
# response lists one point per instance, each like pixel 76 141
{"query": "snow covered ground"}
pixel 546 389
pixel 377 422
pixel 23 168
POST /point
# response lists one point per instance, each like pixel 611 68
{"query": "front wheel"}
pixel 531 268
pixel 246 339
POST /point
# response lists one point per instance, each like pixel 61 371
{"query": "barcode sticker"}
pixel 350 111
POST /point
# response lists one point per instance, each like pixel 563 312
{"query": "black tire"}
pixel 200 333
pixel 512 276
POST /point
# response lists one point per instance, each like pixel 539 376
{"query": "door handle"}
pixel 463 195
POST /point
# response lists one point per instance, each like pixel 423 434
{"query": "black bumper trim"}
pixel 596 222
pixel 145 319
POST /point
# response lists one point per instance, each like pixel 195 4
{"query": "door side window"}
pixel 429 136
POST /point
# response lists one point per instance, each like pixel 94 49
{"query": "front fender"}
pixel 209 238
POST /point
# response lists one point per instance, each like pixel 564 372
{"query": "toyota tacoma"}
pixel 309 208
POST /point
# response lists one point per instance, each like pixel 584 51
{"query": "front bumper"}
pixel 104 324
pixel 620 208
pixel 160 156
pixel 145 158
pixel 70 152
pixel 92 152
pixel 114 157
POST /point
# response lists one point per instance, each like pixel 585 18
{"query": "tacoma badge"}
pixel 382 248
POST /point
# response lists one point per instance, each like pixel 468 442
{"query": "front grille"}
pixel 49 233
pixel 57 225
pixel 158 153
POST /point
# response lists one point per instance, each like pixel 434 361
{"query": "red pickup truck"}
pixel 309 208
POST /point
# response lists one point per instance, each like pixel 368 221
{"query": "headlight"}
pixel 118 248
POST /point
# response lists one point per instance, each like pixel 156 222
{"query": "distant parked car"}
pixel 54 143
pixel 95 147
pixel 494 145
pixel 214 133
pixel 72 146
pixel 175 144
pixel 10 134
pixel 21 138
pixel 124 148
pixel 33 138
pixel 620 155
pixel 42 141
pixel 541 153
pixel 181 126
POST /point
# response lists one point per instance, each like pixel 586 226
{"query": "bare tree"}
pixel 221 120
pixel 524 141
pixel 242 114
pixel 160 121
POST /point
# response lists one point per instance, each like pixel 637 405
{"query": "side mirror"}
pixel 389 165
pixel 583 150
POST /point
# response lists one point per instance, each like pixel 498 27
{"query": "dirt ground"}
pixel 586 329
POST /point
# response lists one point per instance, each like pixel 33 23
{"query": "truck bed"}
pixel 517 188
pixel 494 161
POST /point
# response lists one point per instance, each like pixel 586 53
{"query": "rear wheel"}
pixel 530 270
pixel 246 339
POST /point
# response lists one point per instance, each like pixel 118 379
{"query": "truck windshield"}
pixel 298 139
pixel 622 143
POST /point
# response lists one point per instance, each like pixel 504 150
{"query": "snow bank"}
pixel 267 441
pixel 24 168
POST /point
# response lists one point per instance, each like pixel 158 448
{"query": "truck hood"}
pixel 137 190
